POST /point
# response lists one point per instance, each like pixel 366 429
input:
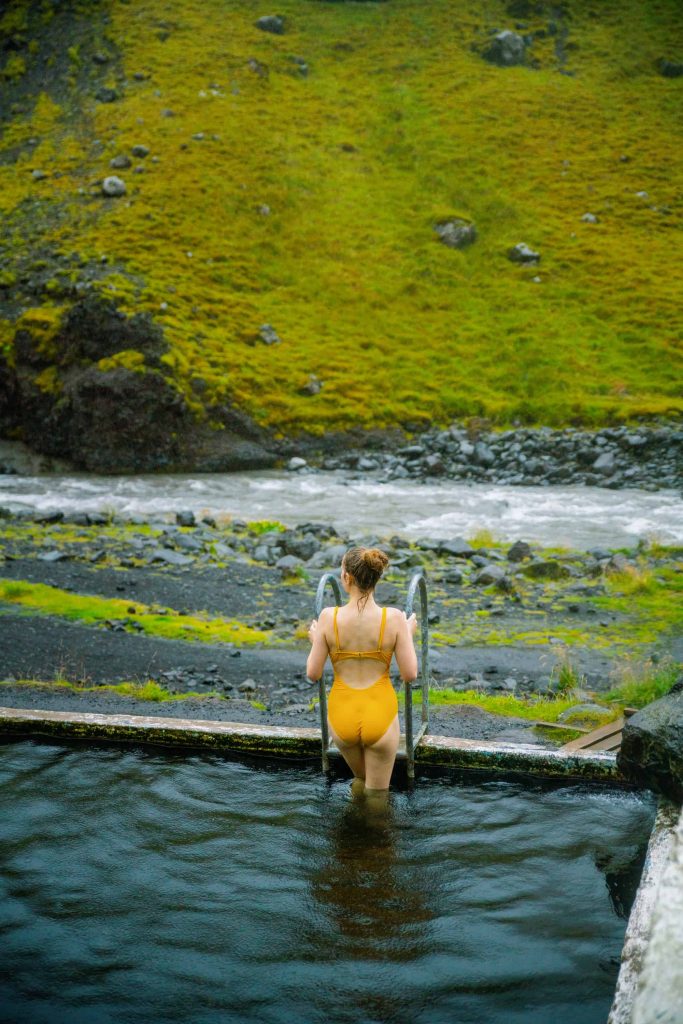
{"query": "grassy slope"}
pixel 347 267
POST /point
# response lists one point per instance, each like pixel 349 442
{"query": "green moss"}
pixel 545 709
pixel 96 610
pixel 347 265
pixel 259 526
pixel 15 67
pixel 640 682
pixel 151 690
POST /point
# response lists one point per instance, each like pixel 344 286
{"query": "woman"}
pixel 362 706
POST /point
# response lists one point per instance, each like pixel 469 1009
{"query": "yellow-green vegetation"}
pixel 38 597
pixel 309 202
pixel 151 690
pixel 546 709
pixel 640 682
pixel 259 526
pixel 650 600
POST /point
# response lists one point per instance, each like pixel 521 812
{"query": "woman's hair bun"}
pixel 375 559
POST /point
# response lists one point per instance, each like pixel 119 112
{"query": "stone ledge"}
pixel 288 741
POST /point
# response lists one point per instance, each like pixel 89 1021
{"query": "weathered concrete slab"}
pixel 659 995
pixel 640 919
pixel 287 741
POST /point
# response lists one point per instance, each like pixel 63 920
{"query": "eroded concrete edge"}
pixel 635 950
pixel 446 751
pixel 659 992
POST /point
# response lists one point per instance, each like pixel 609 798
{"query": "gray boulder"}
pixel 113 186
pixel 456 233
pixel 121 162
pixel 483 455
pixel 605 463
pixel 185 518
pixel 488 574
pixel 288 564
pixel 458 547
pixel 519 551
pixel 169 556
pixel 271 23
pixel 670 68
pixel 521 253
pixel 651 751
pixel 506 49
pixel 547 570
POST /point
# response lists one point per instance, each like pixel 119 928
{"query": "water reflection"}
pixel 363 891
pixel 622 870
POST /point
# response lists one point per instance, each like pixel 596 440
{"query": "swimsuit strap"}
pixel 336 631
pixel 381 628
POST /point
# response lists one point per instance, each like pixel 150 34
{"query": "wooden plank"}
pixel 611 733
pixel 560 725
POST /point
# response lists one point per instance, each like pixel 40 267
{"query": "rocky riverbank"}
pixel 646 456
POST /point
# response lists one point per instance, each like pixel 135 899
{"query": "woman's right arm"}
pixel 319 649
pixel 406 657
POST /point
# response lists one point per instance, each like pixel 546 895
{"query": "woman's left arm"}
pixel 319 649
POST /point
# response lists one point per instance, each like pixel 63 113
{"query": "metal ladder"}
pixel 412 738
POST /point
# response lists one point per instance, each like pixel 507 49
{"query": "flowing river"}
pixel 572 516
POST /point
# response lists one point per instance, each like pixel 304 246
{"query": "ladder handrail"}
pixel 331 579
pixel 418 584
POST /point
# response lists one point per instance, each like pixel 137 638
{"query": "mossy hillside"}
pixel 398 124
pixel 47 600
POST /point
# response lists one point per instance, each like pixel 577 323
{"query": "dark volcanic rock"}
pixel 95 328
pixel 118 420
pixel 652 745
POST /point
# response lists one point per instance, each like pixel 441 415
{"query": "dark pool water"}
pixel 147 886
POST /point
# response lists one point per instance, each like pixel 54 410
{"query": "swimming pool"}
pixel 147 886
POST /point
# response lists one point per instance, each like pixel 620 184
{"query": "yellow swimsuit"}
pixel 362 714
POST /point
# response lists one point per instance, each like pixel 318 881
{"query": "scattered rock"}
pixel 106 95
pixel 506 49
pixel 519 551
pixel 268 334
pixel 458 548
pixel 185 518
pixel 456 233
pixel 120 162
pixel 296 463
pixel 547 570
pixel 521 253
pixel 54 556
pixel 288 564
pixel 312 387
pixel 113 186
pixel 605 463
pixel 488 574
pixel 169 556
pixel 140 151
pixel 271 23
pixel 670 68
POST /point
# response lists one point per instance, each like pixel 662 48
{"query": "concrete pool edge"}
pixel 654 931
pixel 302 742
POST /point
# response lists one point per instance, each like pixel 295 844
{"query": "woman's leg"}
pixel 380 758
pixel 353 753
